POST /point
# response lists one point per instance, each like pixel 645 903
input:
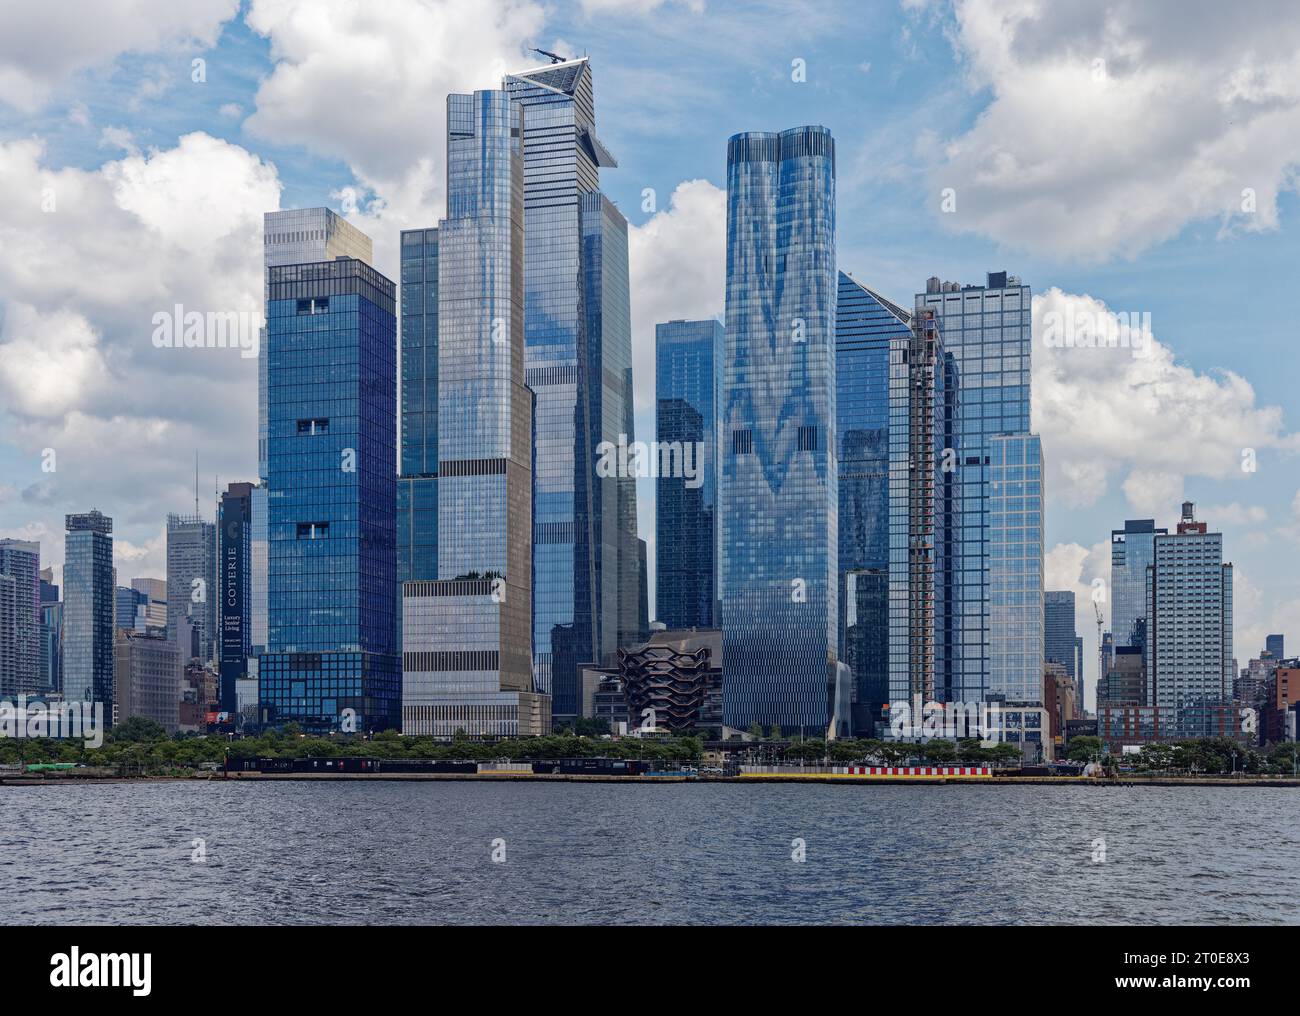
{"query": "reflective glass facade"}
pixel 1060 645
pixel 688 384
pixel 88 610
pixel 467 635
pixel 986 329
pixel 332 590
pixel 1015 541
pixel 417 487
pixel 1132 549
pixel 865 323
pixel 778 490
pixel 578 362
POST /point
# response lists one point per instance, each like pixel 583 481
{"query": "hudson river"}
pixel 375 853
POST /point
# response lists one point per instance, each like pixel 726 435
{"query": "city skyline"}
pixel 1146 475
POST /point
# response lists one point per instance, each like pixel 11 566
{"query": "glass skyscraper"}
pixel 865 324
pixel 192 580
pixel 577 333
pixel 417 486
pixel 292 236
pixel 467 634
pixel 88 610
pixel 986 329
pixel 688 384
pixel 1060 644
pixel 1132 550
pixel 331 660
pixel 1016 567
pixel 779 486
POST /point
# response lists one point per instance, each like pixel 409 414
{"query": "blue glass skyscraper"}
pixel 578 337
pixel 1060 644
pixel 986 329
pixel 88 610
pixel 1016 501
pixel 467 633
pixel 865 324
pixel 331 661
pixel 1132 550
pixel 778 490
pixel 688 385
pixel 417 486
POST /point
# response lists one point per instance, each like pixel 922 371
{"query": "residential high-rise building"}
pixel 986 329
pixel 1189 662
pixel 467 634
pixel 865 325
pixel 577 332
pixel 1060 641
pixel 20 620
pixel 1132 549
pixel 331 660
pixel 688 382
pixel 88 609
pixel 778 493
pixel 923 498
pixel 8 635
pixel 192 578
pixel 147 672
pixel 234 569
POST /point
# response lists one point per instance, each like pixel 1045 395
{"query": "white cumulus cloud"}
pixel 1112 125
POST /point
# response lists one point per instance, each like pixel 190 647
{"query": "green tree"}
pixel 139 729
pixel 1083 748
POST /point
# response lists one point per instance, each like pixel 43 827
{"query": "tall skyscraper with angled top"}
pixel 331 661
pixel 577 332
pixel 865 325
pixel 467 633
pixel 688 384
pixel 779 482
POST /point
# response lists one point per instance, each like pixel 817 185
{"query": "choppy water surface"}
pixel 340 852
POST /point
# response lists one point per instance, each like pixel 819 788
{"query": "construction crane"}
pixel 555 58
pixel 1101 658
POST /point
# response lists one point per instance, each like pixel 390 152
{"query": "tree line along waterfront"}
pixel 140 746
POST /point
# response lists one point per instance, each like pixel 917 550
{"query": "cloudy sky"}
pixel 1121 158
